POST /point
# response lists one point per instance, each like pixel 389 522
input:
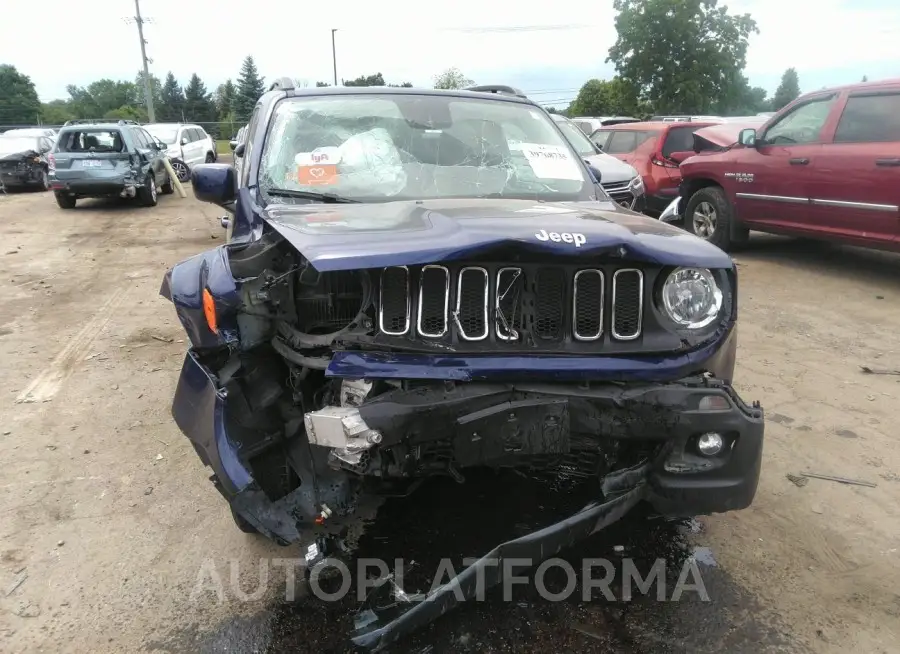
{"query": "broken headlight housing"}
pixel 691 297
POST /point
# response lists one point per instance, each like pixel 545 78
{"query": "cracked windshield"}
pixel 406 146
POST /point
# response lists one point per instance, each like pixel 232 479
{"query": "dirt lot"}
pixel 107 517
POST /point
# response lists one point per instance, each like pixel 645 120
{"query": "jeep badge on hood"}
pixel 564 237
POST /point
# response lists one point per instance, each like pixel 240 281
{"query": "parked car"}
pixel 23 161
pixel 49 132
pixel 423 282
pixel 826 166
pixel 589 125
pixel 187 145
pixel 107 159
pixel 654 149
pixel 621 181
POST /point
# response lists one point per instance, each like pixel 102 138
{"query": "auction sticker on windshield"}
pixel 551 161
pixel 319 167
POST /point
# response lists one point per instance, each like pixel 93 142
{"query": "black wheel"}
pixel 168 188
pixel 65 201
pixel 210 157
pixel 710 216
pixel 182 172
pixel 45 180
pixel 242 523
pixel 147 193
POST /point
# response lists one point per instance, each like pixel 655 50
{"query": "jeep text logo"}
pixel 564 237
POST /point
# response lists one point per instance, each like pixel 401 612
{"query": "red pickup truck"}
pixel 826 166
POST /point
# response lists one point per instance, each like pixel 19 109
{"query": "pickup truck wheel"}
pixel 710 216
pixel 65 201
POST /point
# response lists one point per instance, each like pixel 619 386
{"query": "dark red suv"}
pixel 826 166
pixel 654 149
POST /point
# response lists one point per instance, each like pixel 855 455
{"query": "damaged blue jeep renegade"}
pixel 421 282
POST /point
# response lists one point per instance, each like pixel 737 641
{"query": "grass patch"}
pixel 223 147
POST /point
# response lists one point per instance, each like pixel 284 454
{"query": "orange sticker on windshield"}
pixel 317 175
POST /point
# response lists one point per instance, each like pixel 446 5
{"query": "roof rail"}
pixel 99 121
pixel 282 84
pixel 497 88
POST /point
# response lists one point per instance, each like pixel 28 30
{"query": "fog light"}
pixel 713 403
pixel 710 444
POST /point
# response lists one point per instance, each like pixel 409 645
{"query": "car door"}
pixel 198 145
pixel 855 186
pixel 157 156
pixel 146 150
pixel 772 177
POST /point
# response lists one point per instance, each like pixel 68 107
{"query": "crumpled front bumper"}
pixel 527 419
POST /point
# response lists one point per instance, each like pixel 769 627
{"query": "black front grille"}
pixel 394 315
pixel 628 292
pixel 538 307
pixel 550 303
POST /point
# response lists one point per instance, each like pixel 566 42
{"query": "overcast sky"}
pixel 547 53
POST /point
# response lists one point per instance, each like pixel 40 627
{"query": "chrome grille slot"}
pixel 620 193
pixel 434 299
pixel 627 304
pixel 508 305
pixel 472 303
pixel 587 305
pixel 393 314
pixel 550 303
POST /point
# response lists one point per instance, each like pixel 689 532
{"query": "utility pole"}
pixel 333 55
pixel 148 89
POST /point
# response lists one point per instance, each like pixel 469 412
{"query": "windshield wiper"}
pixel 307 195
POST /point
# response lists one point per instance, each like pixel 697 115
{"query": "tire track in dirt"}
pixel 48 383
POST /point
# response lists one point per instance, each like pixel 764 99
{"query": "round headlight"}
pixel 691 297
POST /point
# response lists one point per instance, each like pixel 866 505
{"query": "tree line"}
pixel 670 56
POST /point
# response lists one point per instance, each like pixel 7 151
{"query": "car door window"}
pixel 870 119
pixel 625 141
pixel 679 139
pixel 196 134
pixel 139 139
pixel 802 125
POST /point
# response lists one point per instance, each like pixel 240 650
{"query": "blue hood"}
pixel 353 236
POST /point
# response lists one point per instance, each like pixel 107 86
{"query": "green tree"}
pixel 100 97
pixel 680 54
pixel 741 99
pixel 366 80
pixel 56 112
pixel 250 86
pixel 224 98
pixel 452 78
pixel 865 78
pixel 614 97
pixel 198 104
pixel 787 91
pixel 322 84
pixel 171 105
pixel 19 103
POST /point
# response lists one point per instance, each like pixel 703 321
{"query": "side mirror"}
pixel 239 150
pixel 748 137
pixel 184 140
pixel 214 183
pixel 594 171
pixel 678 157
pixel 232 144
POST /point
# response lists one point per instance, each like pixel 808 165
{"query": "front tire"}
pixel 168 188
pixel 45 180
pixel 182 172
pixel 710 216
pixel 210 157
pixel 65 201
pixel 147 193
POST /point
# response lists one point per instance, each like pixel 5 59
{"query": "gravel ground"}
pixel 108 522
